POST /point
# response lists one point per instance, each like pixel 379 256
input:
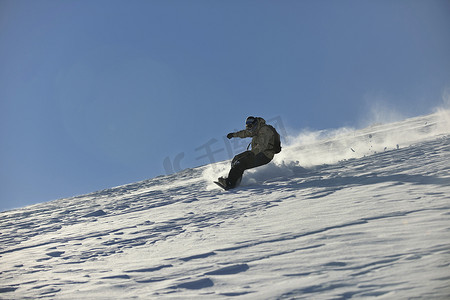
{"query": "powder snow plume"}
pixel 330 146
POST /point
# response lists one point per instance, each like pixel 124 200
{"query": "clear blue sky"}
pixel 95 94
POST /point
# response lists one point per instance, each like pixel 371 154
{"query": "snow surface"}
pixel 338 214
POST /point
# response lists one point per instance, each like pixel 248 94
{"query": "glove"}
pixel 230 135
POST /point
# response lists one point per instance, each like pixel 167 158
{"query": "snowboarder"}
pixel 265 144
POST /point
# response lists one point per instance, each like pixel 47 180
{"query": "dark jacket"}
pixel 262 136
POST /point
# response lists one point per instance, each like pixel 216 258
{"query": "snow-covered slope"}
pixel 337 215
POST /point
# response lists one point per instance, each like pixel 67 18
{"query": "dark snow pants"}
pixel 245 161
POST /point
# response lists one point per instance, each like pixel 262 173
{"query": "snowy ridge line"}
pixel 312 182
pixel 361 227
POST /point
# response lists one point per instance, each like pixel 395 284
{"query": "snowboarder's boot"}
pixel 224 182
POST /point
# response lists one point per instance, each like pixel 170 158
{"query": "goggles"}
pixel 250 123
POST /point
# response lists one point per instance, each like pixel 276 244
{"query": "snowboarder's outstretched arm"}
pixel 241 134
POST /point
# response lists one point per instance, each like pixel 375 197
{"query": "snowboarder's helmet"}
pixel 250 122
